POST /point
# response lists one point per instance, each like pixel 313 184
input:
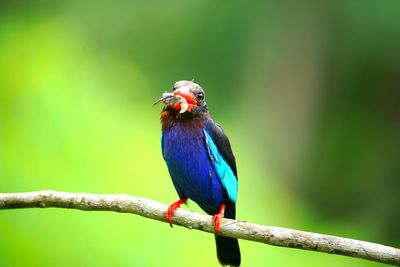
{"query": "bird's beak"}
pixel 181 99
pixel 176 101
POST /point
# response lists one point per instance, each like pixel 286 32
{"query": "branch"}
pixel 239 229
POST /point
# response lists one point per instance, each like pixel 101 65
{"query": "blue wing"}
pixel 222 158
pixel 162 146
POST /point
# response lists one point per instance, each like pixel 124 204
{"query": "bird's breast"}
pixel 184 148
pixel 190 167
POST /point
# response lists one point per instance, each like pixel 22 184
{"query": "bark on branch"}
pixel 276 236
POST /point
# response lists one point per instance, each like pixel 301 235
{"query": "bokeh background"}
pixel 307 91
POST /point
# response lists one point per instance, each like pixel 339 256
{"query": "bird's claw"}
pixel 172 208
pixel 218 217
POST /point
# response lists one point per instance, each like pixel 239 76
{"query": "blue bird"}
pixel 200 161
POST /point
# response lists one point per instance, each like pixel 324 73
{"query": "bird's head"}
pixel 187 97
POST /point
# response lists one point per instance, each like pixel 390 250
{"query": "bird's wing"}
pixel 162 146
pixel 220 152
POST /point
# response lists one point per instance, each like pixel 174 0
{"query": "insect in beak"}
pixel 174 101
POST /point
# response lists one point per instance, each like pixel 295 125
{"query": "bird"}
pixel 200 161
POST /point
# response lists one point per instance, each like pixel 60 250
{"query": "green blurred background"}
pixel 308 93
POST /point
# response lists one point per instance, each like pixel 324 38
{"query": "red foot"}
pixel 173 207
pixel 217 218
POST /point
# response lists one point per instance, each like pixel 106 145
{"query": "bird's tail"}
pixel 228 251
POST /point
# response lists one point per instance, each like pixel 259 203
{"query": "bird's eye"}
pixel 200 96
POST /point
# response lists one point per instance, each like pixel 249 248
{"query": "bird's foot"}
pixel 173 207
pixel 217 218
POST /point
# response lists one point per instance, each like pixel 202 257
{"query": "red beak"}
pixel 186 93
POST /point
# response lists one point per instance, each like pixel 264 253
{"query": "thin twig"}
pixel 276 236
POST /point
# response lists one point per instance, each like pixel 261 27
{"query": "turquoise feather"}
pixel 225 173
